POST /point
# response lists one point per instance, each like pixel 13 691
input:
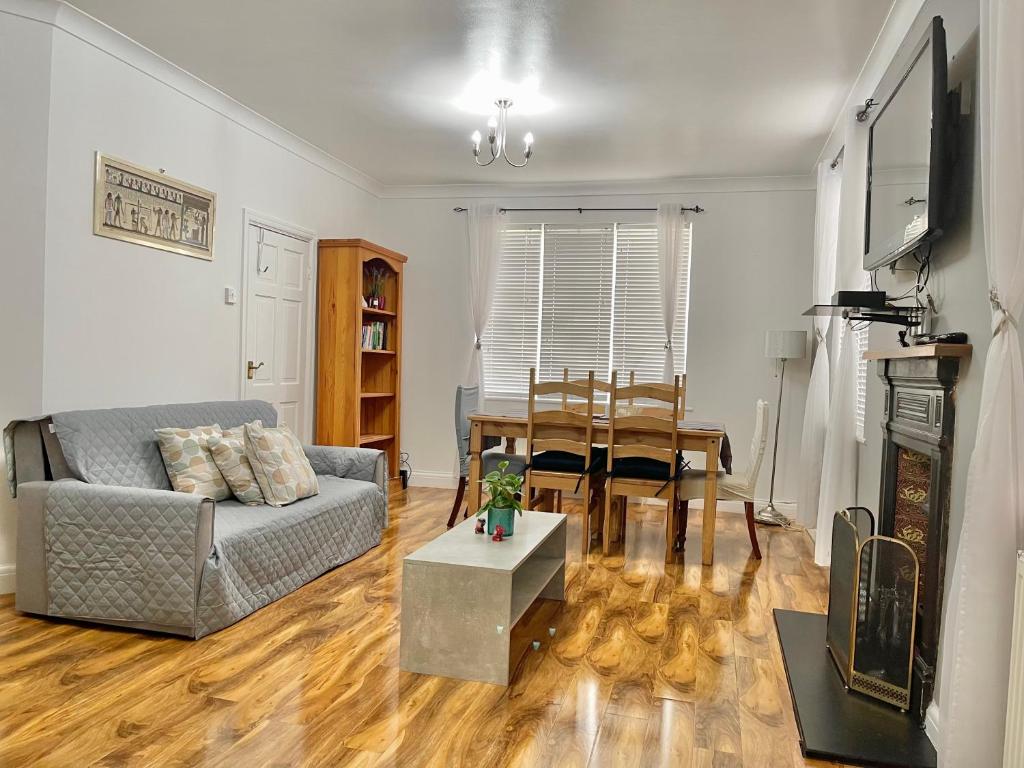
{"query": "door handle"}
pixel 250 369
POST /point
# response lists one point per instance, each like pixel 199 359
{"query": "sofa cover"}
pixel 101 536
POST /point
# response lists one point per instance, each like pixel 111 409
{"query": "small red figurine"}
pixel 479 526
pixel 499 532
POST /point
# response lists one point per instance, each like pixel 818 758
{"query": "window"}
pixel 860 346
pixel 638 328
pixel 584 297
pixel 576 308
pixel 511 337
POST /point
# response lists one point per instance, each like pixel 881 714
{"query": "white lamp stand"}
pixel 782 346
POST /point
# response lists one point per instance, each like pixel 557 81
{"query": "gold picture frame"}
pixel 149 208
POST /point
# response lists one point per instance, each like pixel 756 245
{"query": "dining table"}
pixel 709 438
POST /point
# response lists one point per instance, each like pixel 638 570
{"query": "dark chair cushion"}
pixel 570 463
pixel 644 469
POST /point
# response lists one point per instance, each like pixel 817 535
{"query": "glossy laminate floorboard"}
pixel 650 665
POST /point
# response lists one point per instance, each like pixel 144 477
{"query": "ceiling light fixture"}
pixel 496 133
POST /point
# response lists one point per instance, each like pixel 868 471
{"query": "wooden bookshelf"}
pixel 371 312
pixel 358 389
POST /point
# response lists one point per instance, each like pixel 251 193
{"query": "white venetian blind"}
pixel 510 340
pixel 638 331
pixel 860 339
pixel 576 304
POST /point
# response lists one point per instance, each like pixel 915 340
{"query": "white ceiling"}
pixel 636 90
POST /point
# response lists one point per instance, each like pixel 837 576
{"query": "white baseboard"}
pixel 7 579
pixel 932 724
pixel 424 479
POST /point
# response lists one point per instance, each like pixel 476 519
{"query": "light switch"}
pixel 230 295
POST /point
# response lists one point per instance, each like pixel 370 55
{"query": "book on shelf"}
pixel 375 336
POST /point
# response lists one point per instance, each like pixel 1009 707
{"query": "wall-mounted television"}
pixel 908 156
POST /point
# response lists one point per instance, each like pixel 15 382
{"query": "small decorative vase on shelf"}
pixel 501 518
pixel 380 302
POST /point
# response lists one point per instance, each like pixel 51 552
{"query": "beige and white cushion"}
pixel 228 451
pixel 280 465
pixel 190 465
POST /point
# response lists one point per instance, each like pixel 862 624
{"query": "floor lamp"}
pixel 781 346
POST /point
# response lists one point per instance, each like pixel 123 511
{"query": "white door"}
pixel 276 331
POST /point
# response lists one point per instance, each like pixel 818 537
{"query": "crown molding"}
pixel 44 11
pixel 672 186
pixel 108 40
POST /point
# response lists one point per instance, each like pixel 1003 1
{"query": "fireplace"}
pixel 885 589
pixel 887 576
pixel 917 429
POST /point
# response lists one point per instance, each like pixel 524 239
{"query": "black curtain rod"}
pixel 694 209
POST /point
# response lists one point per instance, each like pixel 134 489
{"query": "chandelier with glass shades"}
pixel 496 130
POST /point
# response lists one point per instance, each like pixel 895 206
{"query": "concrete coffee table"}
pixel 462 593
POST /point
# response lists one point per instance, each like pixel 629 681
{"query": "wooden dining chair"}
pixel 599 386
pixel 643 451
pixel 682 393
pixel 580 407
pixel 560 452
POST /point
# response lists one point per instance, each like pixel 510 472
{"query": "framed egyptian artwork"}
pixel 150 208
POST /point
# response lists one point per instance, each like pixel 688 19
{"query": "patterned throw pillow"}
pixel 229 452
pixel 189 463
pixel 280 465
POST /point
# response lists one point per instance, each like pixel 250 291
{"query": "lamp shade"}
pixel 785 345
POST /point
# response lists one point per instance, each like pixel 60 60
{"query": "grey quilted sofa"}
pixel 102 537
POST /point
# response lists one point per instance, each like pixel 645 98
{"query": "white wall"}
pixel 749 272
pixel 25 94
pixel 129 325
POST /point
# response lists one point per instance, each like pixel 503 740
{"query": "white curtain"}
pixel 812 446
pixel 671 227
pixel 839 462
pixel 484 235
pixel 979 616
pixel 839 458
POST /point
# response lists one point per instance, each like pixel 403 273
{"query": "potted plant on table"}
pixel 502 505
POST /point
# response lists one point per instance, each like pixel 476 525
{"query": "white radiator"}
pixel 1013 747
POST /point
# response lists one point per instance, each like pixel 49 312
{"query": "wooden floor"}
pixel 650 665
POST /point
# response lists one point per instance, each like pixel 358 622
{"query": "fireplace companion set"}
pixel 872 608
pixel 864 699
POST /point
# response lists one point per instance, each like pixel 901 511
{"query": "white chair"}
pixel 731 487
